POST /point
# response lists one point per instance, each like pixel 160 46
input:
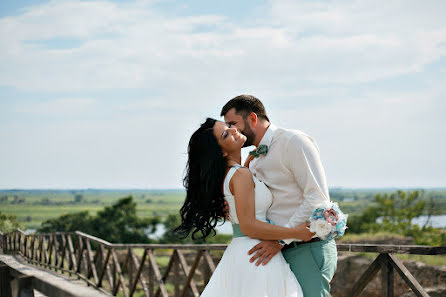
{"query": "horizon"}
pixel 182 189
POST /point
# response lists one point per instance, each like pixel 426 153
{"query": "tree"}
pixel 8 223
pixel 399 209
pixel 170 223
pixel 78 221
pixel 117 223
pixel 173 220
pixel 78 198
pixel 365 222
pixel 394 213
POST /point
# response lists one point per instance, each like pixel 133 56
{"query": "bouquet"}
pixel 328 222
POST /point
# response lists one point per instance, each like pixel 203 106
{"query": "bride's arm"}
pixel 242 186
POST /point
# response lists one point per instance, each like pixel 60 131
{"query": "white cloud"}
pixel 358 16
pixel 128 46
pixel 62 106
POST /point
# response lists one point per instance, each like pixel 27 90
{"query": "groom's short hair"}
pixel 244 105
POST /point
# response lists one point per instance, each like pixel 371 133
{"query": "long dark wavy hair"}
pixel 205 171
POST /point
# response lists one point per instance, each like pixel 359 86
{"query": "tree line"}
pixel 119 223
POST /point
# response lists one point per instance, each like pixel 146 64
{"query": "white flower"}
pixel 321 228
pixel 324 204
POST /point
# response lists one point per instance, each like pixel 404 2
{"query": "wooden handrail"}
pixel 116 267
pixel 93 238
pixel 394 249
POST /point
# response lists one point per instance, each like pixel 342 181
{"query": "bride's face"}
pixel 229 139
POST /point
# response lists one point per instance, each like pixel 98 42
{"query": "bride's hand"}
pixel 303 231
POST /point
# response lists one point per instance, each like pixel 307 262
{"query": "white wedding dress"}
pixel 235 276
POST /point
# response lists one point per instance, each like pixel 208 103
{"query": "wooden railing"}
pixel 143 269
pixel 2 237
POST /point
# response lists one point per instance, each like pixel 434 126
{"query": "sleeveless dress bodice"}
pixel 235 276
pixel 263 197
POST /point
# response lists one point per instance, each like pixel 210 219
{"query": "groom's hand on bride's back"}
pixel 264 251
pixel 267 249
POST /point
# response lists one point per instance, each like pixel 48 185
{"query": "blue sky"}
pixel 105 94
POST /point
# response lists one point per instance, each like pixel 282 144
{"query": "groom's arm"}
pixel 301 156
pixel 303 160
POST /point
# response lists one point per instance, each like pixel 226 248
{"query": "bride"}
pixel 214 175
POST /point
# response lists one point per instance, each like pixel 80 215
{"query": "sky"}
pixel 105 94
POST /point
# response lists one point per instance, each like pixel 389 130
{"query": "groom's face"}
pixel 242 124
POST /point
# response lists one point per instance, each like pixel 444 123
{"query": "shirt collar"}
pixel 268 137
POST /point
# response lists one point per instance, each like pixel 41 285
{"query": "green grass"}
pixel 433 260
pixel 162 261
pixel 34 207
pixel 368 237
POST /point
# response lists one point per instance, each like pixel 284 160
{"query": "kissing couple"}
pixel 269 201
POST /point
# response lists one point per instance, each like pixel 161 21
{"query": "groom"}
pixel 288 162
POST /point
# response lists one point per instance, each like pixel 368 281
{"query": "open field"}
pixel 32 207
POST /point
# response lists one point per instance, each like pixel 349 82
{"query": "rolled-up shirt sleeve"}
pixel 302 158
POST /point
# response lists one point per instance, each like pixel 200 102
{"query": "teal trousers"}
pixel 314 265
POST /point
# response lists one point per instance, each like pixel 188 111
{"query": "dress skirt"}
pixel 235 276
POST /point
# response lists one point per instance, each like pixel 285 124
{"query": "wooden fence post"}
pixel 387 277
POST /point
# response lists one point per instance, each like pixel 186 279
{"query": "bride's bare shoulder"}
pixel 242 176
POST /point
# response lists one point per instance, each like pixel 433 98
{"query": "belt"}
pixel 295 243
pixel 236 232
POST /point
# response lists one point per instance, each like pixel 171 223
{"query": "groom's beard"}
pixel 250 136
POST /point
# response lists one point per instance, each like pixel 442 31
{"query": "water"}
pixel 435 221
pixel 226 228
pixel 30 231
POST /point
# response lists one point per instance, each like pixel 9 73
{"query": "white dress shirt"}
pixel 293 171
